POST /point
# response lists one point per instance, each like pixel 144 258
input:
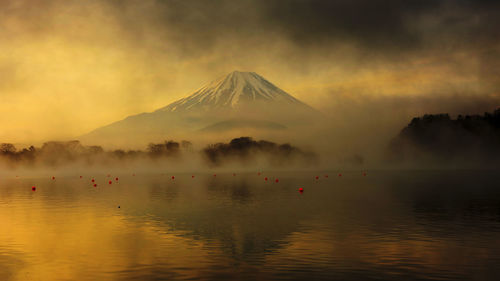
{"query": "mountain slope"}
pixel 243 124
pixel 238 102
pixel 232 91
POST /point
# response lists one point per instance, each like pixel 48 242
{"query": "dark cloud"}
pixel 380 26
pixel 367 23
pixel 195 27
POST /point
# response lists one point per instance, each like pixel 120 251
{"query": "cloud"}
pixel 74 66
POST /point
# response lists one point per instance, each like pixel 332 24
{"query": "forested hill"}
pixel 468 138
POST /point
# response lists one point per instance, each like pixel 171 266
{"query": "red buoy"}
pixel 95 185
pixel 53 178
pixel 173 177
pixel 33 188
pixel 192 176
pixel 265 178
pixel 116 179
pixel 215 175
pixel 340 175
pixel 234 175
pixel 317 177
pixel 364 174
pixel 301 190
pixel 80 176
pixel 258 174
pixel 326 176
pixel 93 180
pixel 110 182
pixel 277 180
pixel 133 175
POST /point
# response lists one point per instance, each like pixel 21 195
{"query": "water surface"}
pixel 419 225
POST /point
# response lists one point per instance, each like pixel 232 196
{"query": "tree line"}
pixel 469 138
pixel 243 149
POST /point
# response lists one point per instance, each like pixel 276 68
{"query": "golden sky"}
pixel 68 67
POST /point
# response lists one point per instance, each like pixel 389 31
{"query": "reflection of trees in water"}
pixel 238 192
pixel 390 223
pixel 241 193
pixel 247 220
pixel 451 199
pixel 229 215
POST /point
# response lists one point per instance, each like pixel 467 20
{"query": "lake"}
pixel 387 225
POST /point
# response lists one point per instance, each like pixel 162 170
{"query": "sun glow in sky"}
pixel 68 67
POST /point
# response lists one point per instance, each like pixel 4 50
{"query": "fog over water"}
pixel 249 140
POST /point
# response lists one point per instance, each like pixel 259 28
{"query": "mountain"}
pixel 238 102
pixel 235 90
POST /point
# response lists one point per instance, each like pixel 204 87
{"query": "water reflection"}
pixel 388 226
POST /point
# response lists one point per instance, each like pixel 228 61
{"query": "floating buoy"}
pixel 133 175
pixel 118 207
pixel 110 182
pixel 340 175
pixel 95 185
pixel 317 177
pixel 33 188
pixel 215 175
pixel 53 178
pixel 173 177
pixel 326 176
pixel 80 176
pixel 265 178
pixel 116 179
pixel 258 174
pixel 364 174
pixel 93 180
pixel 234 175
pixel 301 190
pixel 192 176
pixel 277 180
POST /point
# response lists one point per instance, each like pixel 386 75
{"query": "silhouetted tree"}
pixel 245 149
pixel 7 148
pixel 186 145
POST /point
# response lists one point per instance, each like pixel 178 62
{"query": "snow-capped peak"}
pixel 231 91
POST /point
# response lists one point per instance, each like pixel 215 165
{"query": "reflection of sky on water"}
pixel 414 225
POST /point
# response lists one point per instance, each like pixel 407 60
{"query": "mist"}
pixel 369 67
pixel 69 158
pixel 249 139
